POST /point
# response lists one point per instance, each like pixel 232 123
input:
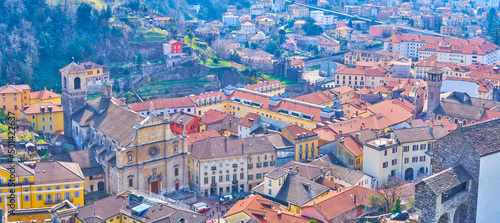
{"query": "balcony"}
pixel 213 168
pixel 213 184
pixel 235 181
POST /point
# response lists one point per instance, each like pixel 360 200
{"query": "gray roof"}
pixel 277 173
pixel 306 170
pixel 73 68
pixel 364 135
pixel 447 179
pixel 185 117
pixel 111 119
pixel 464 98
pixel 483 136
pixel 459 110
pixel 420 134
pixel 348 175
pixel 295 189
pixel 220 146
pixel 279 141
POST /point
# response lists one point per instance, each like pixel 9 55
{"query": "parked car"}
pixel 400 216
pixel 201 207
pixel 228 197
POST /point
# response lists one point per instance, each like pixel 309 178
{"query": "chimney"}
pixel 341 140
pixel 340 133
pixel 460 125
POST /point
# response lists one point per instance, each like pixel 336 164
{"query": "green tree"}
pixel 277 54
pixel 349 24
pixel 3 116
pixel 313 221
pixel 126 72
pixel 254 46
pixel 290 24
pixel 271 47
pixel 492 19
pixel 140 60
pixel 315 50
pixel 281 35
pixel 84 15
pixel 396 207
pixel 109 13
pixel 358 26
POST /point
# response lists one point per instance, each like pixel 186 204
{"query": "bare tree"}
pixel 221 49
pixel 387 194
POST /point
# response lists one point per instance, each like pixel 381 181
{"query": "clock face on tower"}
pixel 153 152
pixel 432 94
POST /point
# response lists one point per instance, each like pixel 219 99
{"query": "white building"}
pixel 257 10
pixel 328 20
pixel 404 156
pixel 230 20
pixel 457 51
pixel 278 5
pixel 317 15
pixel 248 26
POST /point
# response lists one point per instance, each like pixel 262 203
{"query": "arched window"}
pixel 77 83
pixel 129 155
pixel 465 122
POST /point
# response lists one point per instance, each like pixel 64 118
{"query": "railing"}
pixel 235 181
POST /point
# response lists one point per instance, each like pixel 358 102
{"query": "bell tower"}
pixel 74 93
pixel 434 82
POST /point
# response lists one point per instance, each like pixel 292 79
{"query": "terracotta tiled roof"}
pixel 449 125
pixel 299 133
pixel 335 204
pixel 10 89
pixel 353 146
pixel 249 119
pixel 447 44
pixel 195 137
pixel 43 95
pixel 57 172
pixel 317 98
pixel 375 71
pixel 220 147
pixel 36 108
pixel 162 103
pixel 489 114
pixel 326 134
pixel 328 43
pixel 213 116
pixel 343 89
pixel 257 204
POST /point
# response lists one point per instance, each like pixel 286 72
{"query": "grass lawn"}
pixel 160 86
pixel 239 67
pixel 152 35
pixel 210 63
pixel 282 79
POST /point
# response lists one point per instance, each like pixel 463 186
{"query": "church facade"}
pixel 135 151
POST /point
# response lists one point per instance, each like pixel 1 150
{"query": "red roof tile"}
pixel 298 132
pixel 10 89
pixel 36 108
pixel 43 95
pixel 249 119
pixel 335 204
pixel 195 137
pixel 213 116
pixel 353 146
pixel 317 98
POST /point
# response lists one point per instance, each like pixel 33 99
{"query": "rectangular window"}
pixel 407 160
pixel 406 148
pixel 422 158
pixel 429 146
pixel 242 176
pixel 272 163
pixel 414 159
pixel 258 176
pixel 250 176
pixel 415 147
pixel 394 162
pixel 259 165
pixel 250 166
pixel 227 177
pixel 77 194
pixel 51 119
pixel 395 150
pixel 26 198
pixel 205 180
pixel 265 164
pixel 39 197
pixel 422 146
pixel 48 188
pixel 385 164
pixel 351 161
pixel 385 152
pixel 130 182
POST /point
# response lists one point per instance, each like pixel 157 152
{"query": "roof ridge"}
pixel 80 170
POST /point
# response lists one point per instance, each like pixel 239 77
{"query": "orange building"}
pixel 14 97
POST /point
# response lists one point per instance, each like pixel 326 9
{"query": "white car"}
pixel 226 198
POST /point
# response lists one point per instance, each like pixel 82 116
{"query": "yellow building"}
pixel 44 96
pixel 14 97
pixel 361 55
pixel 350 152
pixel 96 75
pixel 342 32
pixel 62 212
pixel 305 142
pixel 45 117
pixel 41 184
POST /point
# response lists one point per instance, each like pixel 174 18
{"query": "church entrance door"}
pixel 154 187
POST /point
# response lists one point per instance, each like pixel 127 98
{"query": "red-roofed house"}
pixel 172 48
pixel 305 142
pixel 14 97
pixel 329 46
pixel 337 207
pixel 358 78
pixel 248 124
pixel 44 96
pixel 45 117
pixel 350 152
pixel 183 121
pixel 261 210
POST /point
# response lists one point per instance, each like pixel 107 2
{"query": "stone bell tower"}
pixel 74 93
pixel 434 82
